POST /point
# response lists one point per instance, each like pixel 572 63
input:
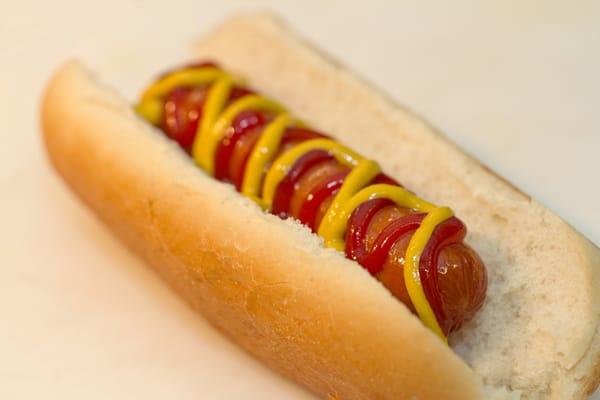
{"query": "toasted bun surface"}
pixel 308 312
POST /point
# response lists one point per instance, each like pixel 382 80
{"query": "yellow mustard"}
pixel 332 230
pixel 283 163
pixel 151 104
pixel 263 152
pixel 218 117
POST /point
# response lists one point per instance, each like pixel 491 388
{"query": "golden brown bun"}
pixel 308 312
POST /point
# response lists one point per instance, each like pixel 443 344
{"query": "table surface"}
pixel 514 84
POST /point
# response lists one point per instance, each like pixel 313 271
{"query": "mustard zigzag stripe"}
pixel 218 117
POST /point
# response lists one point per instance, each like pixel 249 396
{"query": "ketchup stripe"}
pixel 383 178
pixel 285 189
pixel 242 123
pixel 449 232
pixel 373 262
pixel 358 225
pixel 311 204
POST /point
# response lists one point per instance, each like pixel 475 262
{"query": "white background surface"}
pixel 515 84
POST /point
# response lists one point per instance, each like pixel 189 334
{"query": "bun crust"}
pixel 308 312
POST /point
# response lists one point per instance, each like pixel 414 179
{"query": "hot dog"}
pixel 293 171
pixel 304 300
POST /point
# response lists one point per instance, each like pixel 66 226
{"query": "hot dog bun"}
pixel 308 312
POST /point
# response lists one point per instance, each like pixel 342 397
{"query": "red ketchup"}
pixel 452 275
pixel 246 125
pixel 182 113
pixel 285 189
pixel 312 209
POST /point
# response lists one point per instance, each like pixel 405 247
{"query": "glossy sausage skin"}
pixel 459 279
